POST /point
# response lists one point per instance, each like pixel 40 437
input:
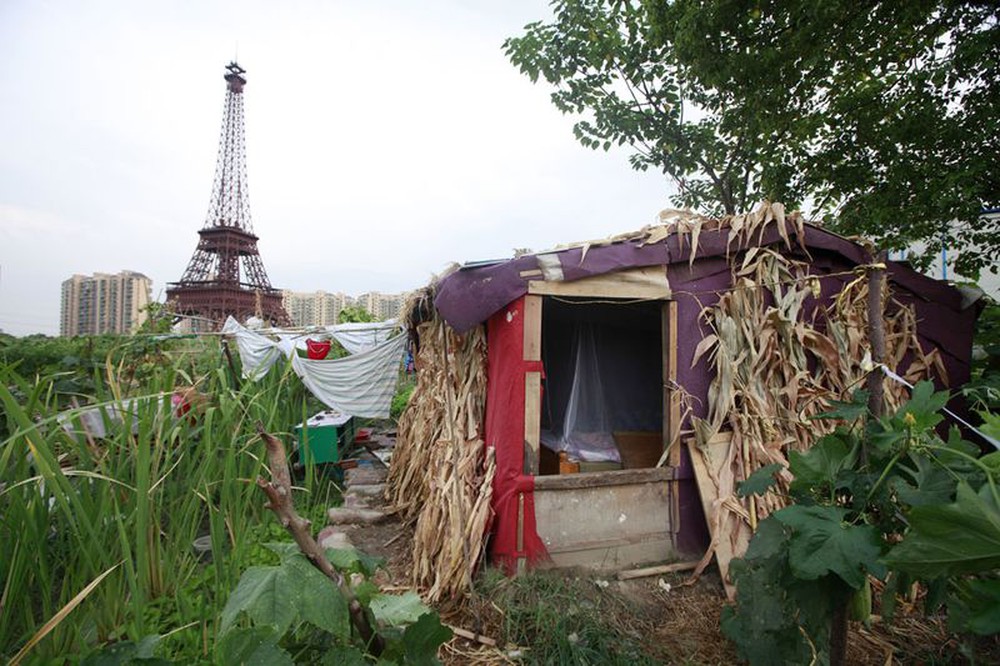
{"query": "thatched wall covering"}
pixel 441 475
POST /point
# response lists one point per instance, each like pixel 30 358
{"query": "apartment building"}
pixel 317 308
pixel 382 306
pixel 104 303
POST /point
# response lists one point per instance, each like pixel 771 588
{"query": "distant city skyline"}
pixel 323 308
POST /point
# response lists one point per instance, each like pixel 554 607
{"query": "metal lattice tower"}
pixel 226 275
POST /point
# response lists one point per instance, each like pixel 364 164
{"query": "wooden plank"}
pixel 657 570
pixel 646 282
pixel 665 370
pixel 607 527
pixel 603 544
pixel 674 396
pixel 532 421
pixel 521 560
pixel 706 473
pixel 622 477
pixel 532 328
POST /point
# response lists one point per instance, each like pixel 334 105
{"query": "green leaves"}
pixel 823 543
pixel 280 600
pixel 397 609
pixel 760 481
pixel 958 538
pixel 922 411
pixel 285 595
pixel 823 463
pixel 254 646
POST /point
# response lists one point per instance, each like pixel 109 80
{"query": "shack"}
pixel 591 405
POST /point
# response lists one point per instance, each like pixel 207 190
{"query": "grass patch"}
pixel 560 618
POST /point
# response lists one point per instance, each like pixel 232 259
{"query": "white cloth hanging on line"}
pixel 360 385
pixel 357 337
pixel 257 352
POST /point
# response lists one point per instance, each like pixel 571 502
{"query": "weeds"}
pixel 73 506
pixel 564 620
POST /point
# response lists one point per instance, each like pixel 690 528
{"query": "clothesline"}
pixel 361 384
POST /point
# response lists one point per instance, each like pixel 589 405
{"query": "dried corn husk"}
pixel 441 476
pixel 779 362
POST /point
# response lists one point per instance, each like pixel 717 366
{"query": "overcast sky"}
pixel 384 141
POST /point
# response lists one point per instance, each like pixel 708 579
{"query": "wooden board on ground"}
pixel 730 536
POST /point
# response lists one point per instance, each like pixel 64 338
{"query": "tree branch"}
pixel 279 496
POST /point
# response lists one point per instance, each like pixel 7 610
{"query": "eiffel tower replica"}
pixel 226 275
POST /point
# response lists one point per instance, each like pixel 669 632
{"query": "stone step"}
pixel 342 515
pixel 365 475
pixel 331 537
pixel 368 490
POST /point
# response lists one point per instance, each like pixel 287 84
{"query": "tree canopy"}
pixel 879 117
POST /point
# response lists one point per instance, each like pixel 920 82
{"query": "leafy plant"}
pixel 75 505
pixel 882 498
pixel 292 609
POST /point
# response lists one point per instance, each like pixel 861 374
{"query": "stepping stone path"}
pixel 364 497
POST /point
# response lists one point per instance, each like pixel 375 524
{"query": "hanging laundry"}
pixel 357 337
pixel 257 352
pixel 359 385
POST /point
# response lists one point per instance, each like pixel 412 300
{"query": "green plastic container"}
pixel 324 437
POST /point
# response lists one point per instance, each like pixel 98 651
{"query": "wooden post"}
pixel 671 397
pixel 532 383
pixel 876 334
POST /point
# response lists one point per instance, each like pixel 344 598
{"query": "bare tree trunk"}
pixel 279 495
pixel 876 333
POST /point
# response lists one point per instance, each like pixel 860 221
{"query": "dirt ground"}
pixel 677 619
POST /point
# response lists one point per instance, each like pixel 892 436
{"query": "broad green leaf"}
pixel 977 608
pixel 422 639
pixel 393 609
pixel 822 543
pixel 769 541
pixel 991 424
pixel 924 407
pixel 931 484
pixel 256 646
pixel 352 560
pixel 316 597
pixel 344 656
pixel 848 411
pixel 957 538
pixel 263 595
pixel 820 465
pixel 760 481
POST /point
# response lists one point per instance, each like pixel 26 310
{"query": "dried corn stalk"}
pixel 779 362
pixel 449 537
pixel 441 477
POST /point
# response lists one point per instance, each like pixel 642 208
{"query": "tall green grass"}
pixel 72 508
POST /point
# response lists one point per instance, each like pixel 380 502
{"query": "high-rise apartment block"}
pixel 317 308
pixel 382 306
pixel 321 308
pixel 104 303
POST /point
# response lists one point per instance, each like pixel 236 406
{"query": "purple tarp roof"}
pixel 470 295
